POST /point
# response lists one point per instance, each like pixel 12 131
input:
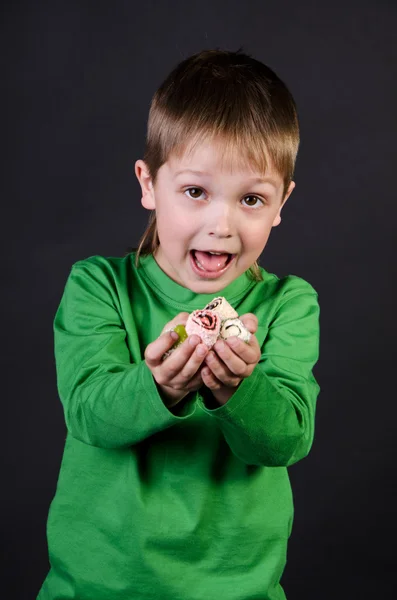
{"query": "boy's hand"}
pixel 179 373
pixel 230 361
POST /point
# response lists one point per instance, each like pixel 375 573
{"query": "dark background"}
pixel 77 79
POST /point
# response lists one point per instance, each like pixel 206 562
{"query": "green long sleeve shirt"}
pixel 192 504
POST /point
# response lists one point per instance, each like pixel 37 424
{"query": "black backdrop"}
pixel 77 79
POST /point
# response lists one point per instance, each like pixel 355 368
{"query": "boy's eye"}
pixel 252 201
pixel 194 192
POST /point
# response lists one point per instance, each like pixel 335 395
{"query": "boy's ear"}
pixel 277 219
pixel 145 180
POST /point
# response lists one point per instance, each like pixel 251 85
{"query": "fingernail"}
pixel 174 335
pixel 233 341
pixel 201 350
pixel 193 341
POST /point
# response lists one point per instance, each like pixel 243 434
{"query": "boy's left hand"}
pixel 230 361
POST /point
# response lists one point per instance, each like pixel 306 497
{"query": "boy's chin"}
pixel 208 286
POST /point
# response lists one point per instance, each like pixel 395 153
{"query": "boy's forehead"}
pixel 210 158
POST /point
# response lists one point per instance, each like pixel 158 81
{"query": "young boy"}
pixel 174 483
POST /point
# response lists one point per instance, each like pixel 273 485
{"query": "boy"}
pixel 174 480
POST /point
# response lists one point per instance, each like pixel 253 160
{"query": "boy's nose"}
pixel 221 224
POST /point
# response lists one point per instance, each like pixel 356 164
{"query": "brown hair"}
pixel 225 96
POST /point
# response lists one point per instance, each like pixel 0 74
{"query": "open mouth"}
pixel 210 264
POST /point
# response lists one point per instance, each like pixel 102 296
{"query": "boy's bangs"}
pixel 240 150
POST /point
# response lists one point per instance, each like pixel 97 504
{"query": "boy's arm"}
pixel 108 401
pixel 269 420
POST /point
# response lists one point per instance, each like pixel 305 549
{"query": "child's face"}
pixel 218 210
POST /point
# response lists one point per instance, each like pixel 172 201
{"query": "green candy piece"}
pixel 181 331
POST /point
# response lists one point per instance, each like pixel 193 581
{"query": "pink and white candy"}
pixel 206 324
pixel 221 306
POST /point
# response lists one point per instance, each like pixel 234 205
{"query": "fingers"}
pixel 172 396
pixel 155 351
pixel 184 362
pixel 250 321
pixel 236 353
pixel 233 359
pixel 210 380
pixel 181 366
pixel 219 374
pixel 195 383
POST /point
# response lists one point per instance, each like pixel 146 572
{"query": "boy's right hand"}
pixel 179 373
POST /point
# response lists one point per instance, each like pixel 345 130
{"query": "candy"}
pixel 234 327
pixel 206 324
pixel 222 307
pixel 181 331
pixel 218 320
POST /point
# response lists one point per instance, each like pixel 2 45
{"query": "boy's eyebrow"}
pixel 189 171
pixel 270 180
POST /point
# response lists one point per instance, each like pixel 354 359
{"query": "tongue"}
pixel 211 262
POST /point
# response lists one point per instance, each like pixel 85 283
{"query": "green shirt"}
pixel 187 506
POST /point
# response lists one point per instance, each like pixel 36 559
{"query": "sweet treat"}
pixel 181 331
pixel 206 324
pixel 234 327
pixel 222 307
pixel 218 320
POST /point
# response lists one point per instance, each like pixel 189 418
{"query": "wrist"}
pixel 215 398
pixel 169 396
pixel 223 395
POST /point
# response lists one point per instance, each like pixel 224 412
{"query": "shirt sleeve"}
pixel 269 420
pixel 108 400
